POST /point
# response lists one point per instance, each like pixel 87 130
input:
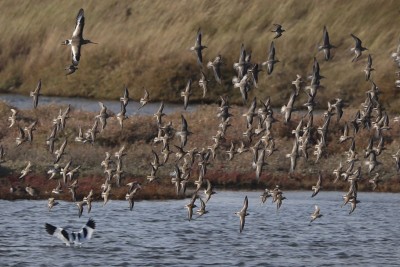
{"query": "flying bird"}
pixel 13 117
pixel 358 48
pixel 317 187
pixel 216 66
pixel 368 68
pixel 145 99
pixel 190 206
pixel 203 82
pixel 316 214
pixel 75 238
pixel 70 69
pixel 184 132
pixel 202 209
pixel 209 191
pixel 186 94
pixel 77 39
pixel 243 213
pixel 326 46
pixel 271 59
pixel 125 98
pixel 36 93
pixel 26 170
pixel 198 47
pixel 159 114
pixel 51 203
pixel 278 30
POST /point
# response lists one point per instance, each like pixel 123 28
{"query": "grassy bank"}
pixel 138 135
pixel 145 44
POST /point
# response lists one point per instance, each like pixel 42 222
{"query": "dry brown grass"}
pixel 145 44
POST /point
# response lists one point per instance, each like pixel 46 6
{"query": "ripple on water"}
pixel 158 233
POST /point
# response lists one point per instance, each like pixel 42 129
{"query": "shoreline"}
pixel 164 190
pixel 139 133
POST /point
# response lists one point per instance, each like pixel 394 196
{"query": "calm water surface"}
pixel 25 102
pixel 156 233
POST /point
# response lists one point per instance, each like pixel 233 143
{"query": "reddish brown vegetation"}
pixel 138 135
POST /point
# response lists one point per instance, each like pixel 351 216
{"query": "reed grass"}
pixel 145 44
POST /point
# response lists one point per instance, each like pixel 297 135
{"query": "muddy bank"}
pixel 164 189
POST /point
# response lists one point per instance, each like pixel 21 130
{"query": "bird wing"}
pixel 217 73
pixel 121 150
pixel 21 133
pixel 198 38
pixel 38 87
pixel 291 99
pixel 357 40
pixel 87 231
pixel 184 124
pixel 203 205
pixel 156 159
pixel 35 100
pixel 271 54
pixel 80 23
pixel 253 105
pixel 209 187
pixel 58 232
pixel 242 221
pixel 67 110
pixel 199 56
pixel 317 209
pixel 319 180
pixel 346 130
pixel 242 55
pixel 245 205
pixel 126 93
pixel 64 144
pixel 188 86
pixel 103 107
pixel 160 109
pixel 326 37
pixel 185 102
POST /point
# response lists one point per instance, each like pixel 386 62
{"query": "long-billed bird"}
pixel 77 39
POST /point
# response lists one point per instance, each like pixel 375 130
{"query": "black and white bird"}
pixel 75 238
pixel 77 40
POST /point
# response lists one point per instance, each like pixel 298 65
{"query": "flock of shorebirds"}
pixel 257 138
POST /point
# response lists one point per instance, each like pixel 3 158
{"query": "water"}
pixel 156 233
pixel 24 102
